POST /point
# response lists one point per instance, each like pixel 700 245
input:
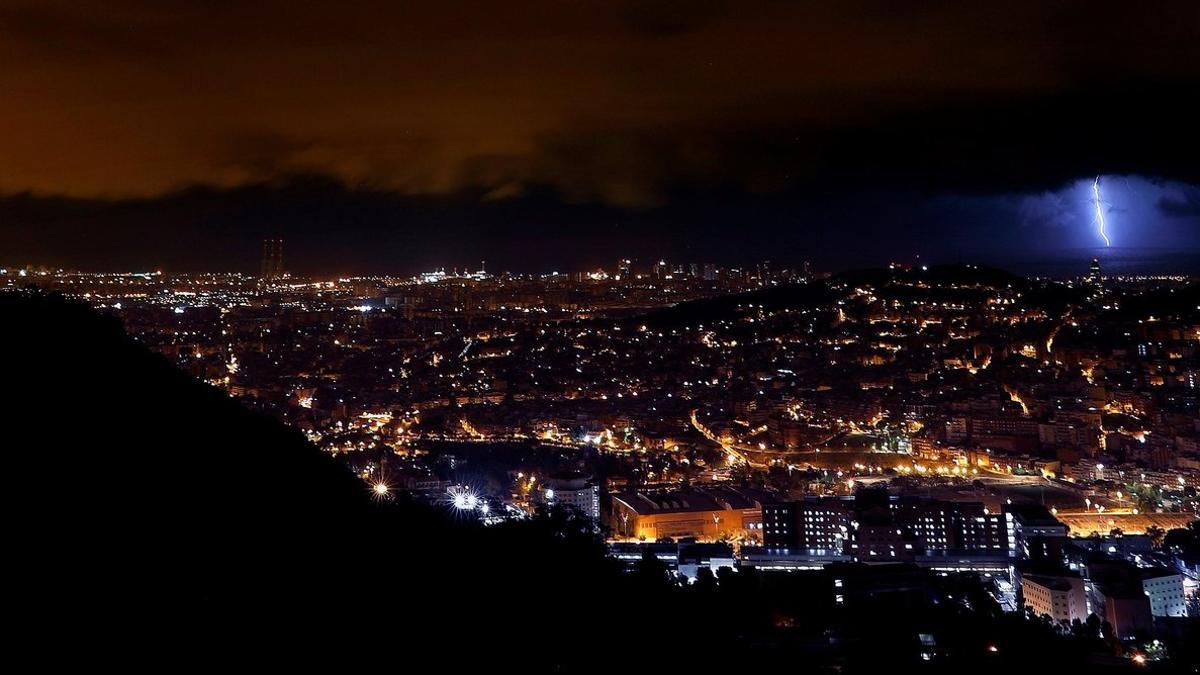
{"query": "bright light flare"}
pixel 1100 211
pixel 464 499
pixel 381 489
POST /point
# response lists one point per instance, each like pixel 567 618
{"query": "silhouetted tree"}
pixel 1156 535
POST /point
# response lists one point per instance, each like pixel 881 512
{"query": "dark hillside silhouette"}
pixel 150 512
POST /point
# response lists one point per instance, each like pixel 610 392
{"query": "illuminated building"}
pixel 581 494
pixel 704 514
pixel 876 527
pixel 1036 533
pixel 272 259
pixel 1060 597
pixel 625 268
pixel 818 525
pixel 1166 591
pixel 660 270
pixel 1094 275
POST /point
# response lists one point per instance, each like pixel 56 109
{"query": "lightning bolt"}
pixel 1099 210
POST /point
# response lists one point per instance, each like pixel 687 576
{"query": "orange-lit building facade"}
pixel 703 514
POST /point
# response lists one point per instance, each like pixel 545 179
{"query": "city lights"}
pixel 906 420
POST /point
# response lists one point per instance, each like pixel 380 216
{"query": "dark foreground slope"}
pixel 150 514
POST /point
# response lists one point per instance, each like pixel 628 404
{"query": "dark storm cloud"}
pixel 577 121
pixel 261 154
pixel 616 102
pixel 664 18
pixel 332 229
pixel 1185 205
pixel 76 35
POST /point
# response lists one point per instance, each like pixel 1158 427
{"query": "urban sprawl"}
pixel 1042 434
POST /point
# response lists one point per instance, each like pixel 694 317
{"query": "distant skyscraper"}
pixel 1095 276
pixel 272 259
pixel 661 270
pixel 764 271
pixel 625 268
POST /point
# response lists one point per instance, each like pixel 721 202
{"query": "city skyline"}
pixel 332 229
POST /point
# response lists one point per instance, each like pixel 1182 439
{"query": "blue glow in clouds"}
pixel 1106 215
pixel 1099 210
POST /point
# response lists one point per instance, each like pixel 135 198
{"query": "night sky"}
pixel 392 137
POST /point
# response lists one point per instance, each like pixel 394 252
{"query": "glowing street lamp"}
pixel 463 499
